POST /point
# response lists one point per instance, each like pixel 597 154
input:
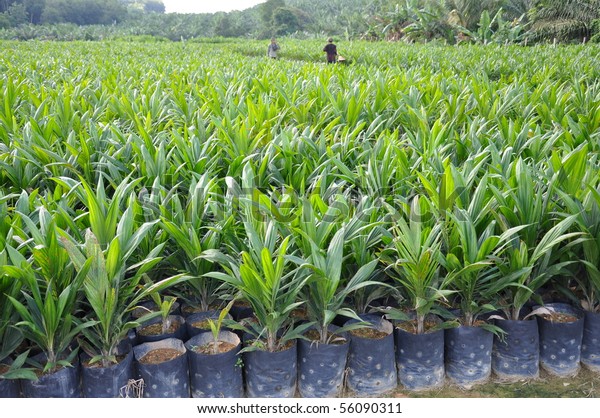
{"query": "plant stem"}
pixel 516 311
pixel 469 319
pixel 105 356
pixel 52 360
pixel 166 324
pixel 420 324
pixel 271 338
pixel 323 334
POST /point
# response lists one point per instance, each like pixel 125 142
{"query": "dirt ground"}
pixel 585 385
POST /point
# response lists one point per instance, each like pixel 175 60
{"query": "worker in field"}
pixel 273 48
pixel 331 51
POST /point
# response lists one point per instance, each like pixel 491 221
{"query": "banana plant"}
pixel 487 28
pixel 414 258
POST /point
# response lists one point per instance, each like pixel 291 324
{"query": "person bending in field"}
pixel 331 50
pixel 273 48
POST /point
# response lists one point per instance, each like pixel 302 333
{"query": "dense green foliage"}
pixel 451 21
pixel 566 19
pixel 292 183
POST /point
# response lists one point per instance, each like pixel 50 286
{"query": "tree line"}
pixel 79 12
pixel 476 21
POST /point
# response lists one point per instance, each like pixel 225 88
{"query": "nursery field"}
pixel 455 189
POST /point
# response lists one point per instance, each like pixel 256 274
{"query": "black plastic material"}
pixel 165 380
pixel 516 355
pixel 192 331
pixel 180 333
pixel 148 306
pixel 106 382
pixel 241 312
pixel 560 343
pixel 61 384
pixel 590 346
pixel 271 374
pixel 187 309
pixel 131 340
pixel 468 352
pixel 372 363
pixel 196 317
pixel 321 368
pixel 420 359
pixel 215 375
pixel 9 388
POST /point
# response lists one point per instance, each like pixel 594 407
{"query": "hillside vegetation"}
pixel 448 21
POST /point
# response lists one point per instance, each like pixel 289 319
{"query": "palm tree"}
pixel 514 9
pixel 564 19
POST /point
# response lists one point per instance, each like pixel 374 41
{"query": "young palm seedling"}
pixel 414 258
pixel 50 286
pixel 587 292
pixel 10 336
pixel 327 291
pixel 265 278
pixel 216 326
pixel 186 220
pixel 473 274
pixel 165 306
pixel 113 289
pixel 533 257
